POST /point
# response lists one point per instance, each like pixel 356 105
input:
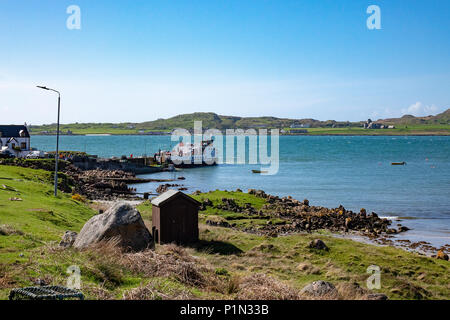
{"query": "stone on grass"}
pixel 68 239
pixel 121 223
pixel 318 244
pixel 320 288
pixel 377 296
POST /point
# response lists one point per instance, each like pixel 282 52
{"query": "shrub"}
pixel 78 197
pixel 222 272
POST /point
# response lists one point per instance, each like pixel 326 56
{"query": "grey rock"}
pixel 121 222
pixel 40 282
pixel 68 239
pixel 377 296
pixel 320 288
pixel 318 244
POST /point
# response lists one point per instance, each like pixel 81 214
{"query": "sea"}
pixel 353 171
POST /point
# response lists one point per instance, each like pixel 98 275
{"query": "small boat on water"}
pixel 259 171
pixel 398 163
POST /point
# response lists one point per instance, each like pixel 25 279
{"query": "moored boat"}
pixel 398 163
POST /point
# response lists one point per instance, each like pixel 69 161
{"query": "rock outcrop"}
pixel 320 288
pixel 164 187
pixel 301 216
pixel 122 223
pixel 68 239
pixel 377 296
pixel 318 244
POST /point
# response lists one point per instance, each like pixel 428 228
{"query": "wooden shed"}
pixel 175 218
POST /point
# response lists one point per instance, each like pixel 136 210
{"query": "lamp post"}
pixel 57 137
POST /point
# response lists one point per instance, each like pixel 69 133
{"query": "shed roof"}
pixel 13 131
pixel 172 194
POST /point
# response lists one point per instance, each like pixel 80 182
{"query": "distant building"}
pixel 300 125
pixel 15 139
pixel 369 124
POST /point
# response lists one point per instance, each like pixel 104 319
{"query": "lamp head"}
pixel 43 87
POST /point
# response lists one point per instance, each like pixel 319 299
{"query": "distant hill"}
pixel 213 120
pixel 221 122
pixel 441 118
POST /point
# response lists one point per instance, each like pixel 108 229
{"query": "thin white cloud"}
pixel 418 109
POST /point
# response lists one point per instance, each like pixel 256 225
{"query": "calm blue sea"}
pixel 353 171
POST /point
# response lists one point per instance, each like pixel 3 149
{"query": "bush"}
pixel 78 197
pixel 222 272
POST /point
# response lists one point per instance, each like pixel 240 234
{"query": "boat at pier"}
pixel 188 155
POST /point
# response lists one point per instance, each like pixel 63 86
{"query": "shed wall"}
pixel 176 221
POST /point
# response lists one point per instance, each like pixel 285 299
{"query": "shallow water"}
pixel 353 171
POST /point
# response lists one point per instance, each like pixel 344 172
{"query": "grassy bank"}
pixel 400 130
pixel 406 125
pixel 411 130
pixel 187 123
pixel 226 263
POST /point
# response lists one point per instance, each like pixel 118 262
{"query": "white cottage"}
pixel 15 139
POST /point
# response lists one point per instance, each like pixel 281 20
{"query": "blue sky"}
pixel 143 60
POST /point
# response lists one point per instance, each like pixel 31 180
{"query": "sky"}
pixel 134 61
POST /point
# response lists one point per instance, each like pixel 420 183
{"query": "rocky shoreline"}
pixel 296 216
pixel 96 184
pixel 299 216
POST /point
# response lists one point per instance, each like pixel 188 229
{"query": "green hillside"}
pixel 438 124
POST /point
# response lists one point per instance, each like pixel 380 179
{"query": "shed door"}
pixel 179 223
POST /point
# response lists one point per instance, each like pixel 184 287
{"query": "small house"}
pixel 15 139
pixel 175 218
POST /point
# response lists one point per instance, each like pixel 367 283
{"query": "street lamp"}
pixel 57 137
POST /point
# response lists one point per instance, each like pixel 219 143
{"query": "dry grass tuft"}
pixel 7 230
pixel 104 263
pixel 308 268
pixel 100 293
pixel 262 287
pixel 157 291
pixel 6 280
pixel 351 291
pixel 169 261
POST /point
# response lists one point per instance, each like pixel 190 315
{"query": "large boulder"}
pixel 121 222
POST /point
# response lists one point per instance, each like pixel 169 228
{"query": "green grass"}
pixel 399 130
pixel 30 230
pixel 421 129
pixel 240 198
pixel 93 128
pixel 39 216
pixel 347 261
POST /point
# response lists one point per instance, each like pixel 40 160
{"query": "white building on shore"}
pixel 15 139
